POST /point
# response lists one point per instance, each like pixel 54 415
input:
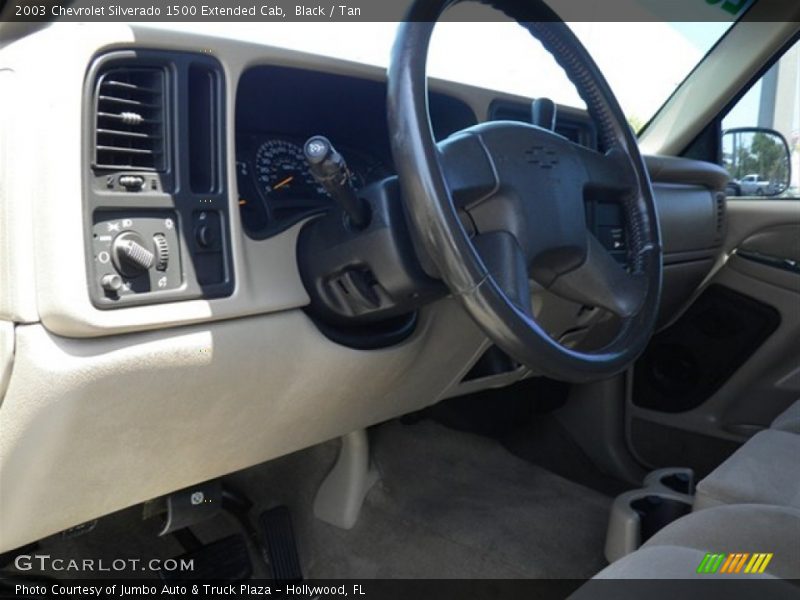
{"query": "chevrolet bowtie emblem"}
pixel 543 157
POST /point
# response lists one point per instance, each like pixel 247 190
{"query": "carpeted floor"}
pixel 454 504
pixel 449 505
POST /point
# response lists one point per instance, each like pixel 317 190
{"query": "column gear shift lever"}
pixel 329 169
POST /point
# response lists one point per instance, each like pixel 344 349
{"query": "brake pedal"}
pixel 276 524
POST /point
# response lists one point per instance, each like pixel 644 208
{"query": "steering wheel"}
pixel 500 203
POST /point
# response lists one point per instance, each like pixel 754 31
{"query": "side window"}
pixel 761 134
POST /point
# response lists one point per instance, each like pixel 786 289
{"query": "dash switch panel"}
pixel 135 256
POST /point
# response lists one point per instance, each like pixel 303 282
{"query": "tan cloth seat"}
pixel 676 551
pixel 749 504
pixel 765 470
pixel 739 528
pixel 788 420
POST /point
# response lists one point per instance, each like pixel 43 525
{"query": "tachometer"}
pixel 276 188
pixel 282 173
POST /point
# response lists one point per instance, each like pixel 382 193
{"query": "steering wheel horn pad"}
pixel 536 179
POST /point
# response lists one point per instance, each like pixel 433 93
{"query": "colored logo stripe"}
pixel 734 563
pixel 710 563
pixel 740 564
pixel 758 563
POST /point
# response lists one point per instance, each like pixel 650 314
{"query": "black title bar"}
pixel 376 10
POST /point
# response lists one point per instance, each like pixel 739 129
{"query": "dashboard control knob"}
pixel 132 183
pixel 162 251
pixel 131 255
pixel 111 282
pixel 206 236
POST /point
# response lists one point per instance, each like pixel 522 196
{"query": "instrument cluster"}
pixel 276 188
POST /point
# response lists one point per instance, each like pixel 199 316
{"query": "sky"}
pixel 643 61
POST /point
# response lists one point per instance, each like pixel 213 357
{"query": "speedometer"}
pixel 282 173
pixel 276 188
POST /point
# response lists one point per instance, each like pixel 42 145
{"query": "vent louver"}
pixel 720 200
pixel 130 118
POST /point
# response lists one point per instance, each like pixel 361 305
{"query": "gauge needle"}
pixel 280 184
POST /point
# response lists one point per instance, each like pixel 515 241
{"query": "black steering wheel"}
pixel 501 202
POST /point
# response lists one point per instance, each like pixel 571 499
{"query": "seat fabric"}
pixel 788 420
pixel 765 470
pixel 676 551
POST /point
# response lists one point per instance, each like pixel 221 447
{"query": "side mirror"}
pixel 758 160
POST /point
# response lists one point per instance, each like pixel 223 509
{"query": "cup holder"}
pixel 655 512
pixel 637 515
pixel 679 480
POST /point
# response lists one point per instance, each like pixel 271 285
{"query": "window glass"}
pixel 756 160
pixel 643 61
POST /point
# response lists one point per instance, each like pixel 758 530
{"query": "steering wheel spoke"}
pixel 601 281
pixel 609 175
pixel 468 170
pixel 505 261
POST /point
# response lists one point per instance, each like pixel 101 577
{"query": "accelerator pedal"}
pixel 276 523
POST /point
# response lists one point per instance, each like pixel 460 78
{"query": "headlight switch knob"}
pixel 131 254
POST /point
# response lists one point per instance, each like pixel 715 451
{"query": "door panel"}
pixel 688 362
pixel 731 363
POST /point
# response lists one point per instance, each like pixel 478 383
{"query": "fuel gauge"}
pixel 252 209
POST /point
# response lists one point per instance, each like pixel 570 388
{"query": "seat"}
pixel 788 420
pixel 740 528
pixel 677 551
pixel 748 505
pixel 765 470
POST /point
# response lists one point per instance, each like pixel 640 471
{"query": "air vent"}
pixel 130 120
pixel 720 200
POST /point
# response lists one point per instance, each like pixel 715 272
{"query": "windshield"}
pixel 643 61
